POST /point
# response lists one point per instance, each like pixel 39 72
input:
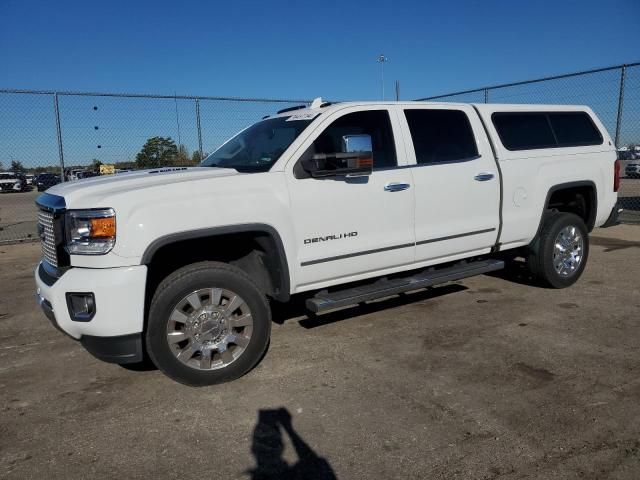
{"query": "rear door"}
pixel 352 228
pixel 457 184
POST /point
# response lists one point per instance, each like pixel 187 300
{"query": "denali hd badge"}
pixel 330 237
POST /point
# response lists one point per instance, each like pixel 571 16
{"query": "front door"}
pixel 352 228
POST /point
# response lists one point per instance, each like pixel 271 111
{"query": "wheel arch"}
pixel 582 185
pixel 266 236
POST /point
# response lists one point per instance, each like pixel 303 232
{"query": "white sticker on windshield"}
pixel 303 116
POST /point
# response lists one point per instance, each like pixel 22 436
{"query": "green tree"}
pixel 95 165
pixel 17 167
pixel 157 152
pixel 1 166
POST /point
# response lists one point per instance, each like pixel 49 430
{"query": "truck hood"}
pixel 81 193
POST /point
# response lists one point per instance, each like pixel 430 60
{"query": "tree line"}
pixel 156 152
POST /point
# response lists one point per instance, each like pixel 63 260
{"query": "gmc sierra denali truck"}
pixel 347 202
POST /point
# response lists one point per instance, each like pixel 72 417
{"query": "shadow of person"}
pixel 268 446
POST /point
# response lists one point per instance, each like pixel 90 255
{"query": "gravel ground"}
pixel 18 216
pixel 485 378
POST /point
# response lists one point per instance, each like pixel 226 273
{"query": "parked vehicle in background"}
pixel 46 180
pixel 632 170
pixel 626 154
pixel 345 203
pixel 75 174
pixel 79 174
pixel 13 182
pixel 29 177
pixel 86 174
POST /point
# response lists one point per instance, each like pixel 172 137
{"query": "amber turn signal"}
pixel 365 162
pixel 103 227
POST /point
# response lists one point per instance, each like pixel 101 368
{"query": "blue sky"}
pixel 306 49
pixel 293 50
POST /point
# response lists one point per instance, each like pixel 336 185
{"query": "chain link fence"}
pixel 49 137
pixel 613 93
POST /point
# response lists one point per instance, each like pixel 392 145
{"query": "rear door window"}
pixel 441 135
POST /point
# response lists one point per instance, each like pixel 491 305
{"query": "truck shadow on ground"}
pixel 268 446
pixel 516 272
pixel 613 244
pixel 295 308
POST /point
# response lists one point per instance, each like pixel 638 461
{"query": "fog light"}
pixel 82 306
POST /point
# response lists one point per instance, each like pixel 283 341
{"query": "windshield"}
pixel 258 147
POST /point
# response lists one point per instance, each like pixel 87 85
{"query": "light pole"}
pixel 381 60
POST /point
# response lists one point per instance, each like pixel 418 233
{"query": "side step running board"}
pixel 324 300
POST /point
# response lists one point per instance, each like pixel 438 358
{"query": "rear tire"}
pixel 208 323
pixel 559 254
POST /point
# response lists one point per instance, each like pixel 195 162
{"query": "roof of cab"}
pixel 326 107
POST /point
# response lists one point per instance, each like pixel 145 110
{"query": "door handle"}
pixel 396 187
pixel 483 177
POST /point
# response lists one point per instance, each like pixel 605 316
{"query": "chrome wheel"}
pixel 209 328
pixel 568 251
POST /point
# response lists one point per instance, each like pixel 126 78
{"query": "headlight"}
pixel 91 232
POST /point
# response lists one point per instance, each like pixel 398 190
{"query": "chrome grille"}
pixel 48 237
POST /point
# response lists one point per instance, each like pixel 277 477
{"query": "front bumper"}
pixel 114 334
pixel 121 349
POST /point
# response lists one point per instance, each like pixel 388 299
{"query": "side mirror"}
pixel 355 160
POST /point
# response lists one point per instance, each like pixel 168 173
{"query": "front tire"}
pixel 208 323
pixel 558 256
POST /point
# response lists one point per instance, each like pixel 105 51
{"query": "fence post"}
pixel 56 109
pixel 198 125
pixel 623 71
pixel 486 95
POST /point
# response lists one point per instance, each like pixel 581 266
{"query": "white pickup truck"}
pixel 345 202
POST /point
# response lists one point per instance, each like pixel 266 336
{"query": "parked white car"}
pixel 12 182
pixel 181 263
